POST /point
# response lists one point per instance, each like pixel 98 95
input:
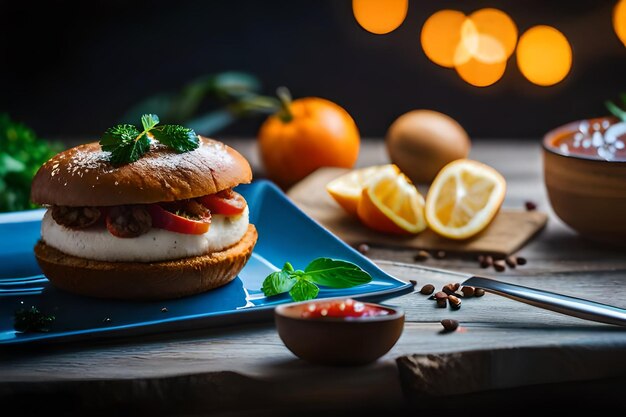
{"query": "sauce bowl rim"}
pixel 395 312
pixel 572 127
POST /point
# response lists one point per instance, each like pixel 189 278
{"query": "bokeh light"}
pixel 481 74
pixel 544 55
pixel 484 48
pixel 477 46
pixel 380 16
pixel 441 35
pixel 619 20
pixel 496 25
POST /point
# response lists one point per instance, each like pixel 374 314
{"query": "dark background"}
pixel 72 69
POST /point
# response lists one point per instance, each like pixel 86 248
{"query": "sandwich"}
pixel 165 225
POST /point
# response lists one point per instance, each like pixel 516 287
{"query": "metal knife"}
pixel 571 306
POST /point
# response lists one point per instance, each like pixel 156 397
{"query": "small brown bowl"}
pixel 338 340
pixel 586 192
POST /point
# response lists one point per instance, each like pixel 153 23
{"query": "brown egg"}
pixel 421 142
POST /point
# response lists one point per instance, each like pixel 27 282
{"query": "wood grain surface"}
pixel 503 350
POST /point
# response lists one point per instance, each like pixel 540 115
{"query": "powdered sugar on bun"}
pixel 83 175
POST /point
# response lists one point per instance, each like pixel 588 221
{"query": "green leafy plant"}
pixel 209 103
pixel 303 284
pixel 616 110
pixel 127 144
pixel 21 155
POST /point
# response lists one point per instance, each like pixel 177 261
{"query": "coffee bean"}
pixel 440 254
pixel 486 262
pixel 427 289
pixel 455 302
pixel 499 265
pixel 413 282
pixel 441 298
pixel 511 261
pixel 363 248
pixel 479 292
pixel 449 325
pixel 468 291
pixel 421 256
pixel 450 288
pixel 521 261
pixel 530 205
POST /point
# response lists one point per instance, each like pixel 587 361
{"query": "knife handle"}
pixel 571 306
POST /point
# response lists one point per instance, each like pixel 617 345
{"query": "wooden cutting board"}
pixel 509 231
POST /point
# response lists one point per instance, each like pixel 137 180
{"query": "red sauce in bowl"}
pixel 341 309
pixel 601 139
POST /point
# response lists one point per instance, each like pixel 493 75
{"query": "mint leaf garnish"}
pixel 336 273
pixel 116 135
pixel 304 290
pixel 179 138
pixel 303 285
pixel 148 121
pixel 127 144
pixel 277 283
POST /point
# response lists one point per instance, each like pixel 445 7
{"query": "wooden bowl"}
pixel 338 340
pixel 587 193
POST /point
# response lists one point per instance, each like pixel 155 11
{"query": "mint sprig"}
pixel 303 284
pixel 304 290
pixel 127 144
pixel 279 282
pixel 179 138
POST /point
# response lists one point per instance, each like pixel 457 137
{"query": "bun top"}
pixel 83 175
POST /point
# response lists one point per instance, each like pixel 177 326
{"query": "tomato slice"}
pixel 225 202
pixel 164 219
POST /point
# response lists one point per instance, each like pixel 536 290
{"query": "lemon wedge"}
pixel 391 203
pixel 346 190
pixel 464 198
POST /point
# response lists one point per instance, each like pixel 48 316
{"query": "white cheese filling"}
pixel 156 245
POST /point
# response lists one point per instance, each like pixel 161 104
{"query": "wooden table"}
pixel 506 354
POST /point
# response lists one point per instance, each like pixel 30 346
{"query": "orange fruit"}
pixel 464 198
pixel 347 189
pixel 309 133
pixel 390 203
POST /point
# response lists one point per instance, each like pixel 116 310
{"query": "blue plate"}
pixel 285 234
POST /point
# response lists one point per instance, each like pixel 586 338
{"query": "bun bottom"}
pixel 145 281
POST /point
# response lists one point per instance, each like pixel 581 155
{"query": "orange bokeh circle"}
pixel 481 74
pixel 544 55
pixel 441 35
pixel 477 46
pixel 497 25
pixel 619 20
pixel 380 16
